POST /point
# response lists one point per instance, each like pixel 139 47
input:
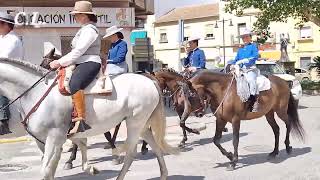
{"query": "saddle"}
pixel 102 85
pixel 243 87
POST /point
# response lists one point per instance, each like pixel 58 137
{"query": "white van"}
pixel 267 68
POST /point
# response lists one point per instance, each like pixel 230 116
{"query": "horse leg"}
pixel 185 137
pixel 82 144
pixel 276 131
pixel 284 116
pixel 109 144
pixel 144 149
pixel 148 136
pixel 135 127
pixel 52 154
pixel 236 130
pixel 220 124
pixel 112 139
pixel 68 165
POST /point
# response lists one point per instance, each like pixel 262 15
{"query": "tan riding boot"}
pixel 79 104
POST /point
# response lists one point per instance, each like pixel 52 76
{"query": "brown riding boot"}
pixel 79 104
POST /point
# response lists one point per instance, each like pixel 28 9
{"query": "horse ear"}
pixel 51 53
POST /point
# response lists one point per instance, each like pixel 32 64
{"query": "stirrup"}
pixel 255 107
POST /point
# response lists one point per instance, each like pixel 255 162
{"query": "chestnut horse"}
pixel 220 90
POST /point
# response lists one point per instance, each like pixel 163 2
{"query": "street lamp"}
pixel 223 36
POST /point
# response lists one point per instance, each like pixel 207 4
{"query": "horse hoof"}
pixel 68 166
pixel 230 156
pixel 196 131
pixel 182 145
pixel 231 167
pixel 289 150
pixel 144 151
pixel 107 146
pixel 94 171
pixel 117 161
pixel 272 155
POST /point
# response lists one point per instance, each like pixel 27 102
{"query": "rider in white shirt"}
pixel 10 47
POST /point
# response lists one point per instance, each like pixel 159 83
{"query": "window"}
pixel 187 33
pixel 209 31
pixel 306 32
pixel 163 36
pixel 66 44
pixel 304 62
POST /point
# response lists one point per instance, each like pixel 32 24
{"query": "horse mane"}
pixel 36 68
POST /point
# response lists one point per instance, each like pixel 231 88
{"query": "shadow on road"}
pixel 104 174
pixel 204 141
pixel 180 177
pixel 261 158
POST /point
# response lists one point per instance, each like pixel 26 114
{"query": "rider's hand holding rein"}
pixel 55 64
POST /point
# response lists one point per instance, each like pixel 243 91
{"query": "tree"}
pixel 315 65
pixel 278 10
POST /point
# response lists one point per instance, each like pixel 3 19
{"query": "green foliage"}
pixel 310 85
pixel 278 10
pixel 315 65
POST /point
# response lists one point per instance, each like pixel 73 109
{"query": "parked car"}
pixel 268 68
pixel 302 74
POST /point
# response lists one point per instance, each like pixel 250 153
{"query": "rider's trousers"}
pixel 251 77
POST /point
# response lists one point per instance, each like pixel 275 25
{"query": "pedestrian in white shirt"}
pixel 85 54
pixel 10 44
pixel 10 47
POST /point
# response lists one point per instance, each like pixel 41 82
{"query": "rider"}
pixel 10 47
pixel 85 54
pixel 116 62
pixel 196 58
pixel 246 58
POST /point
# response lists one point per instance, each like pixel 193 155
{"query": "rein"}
pixel 28 90
pixel 34 108
pixel 224 97
pixel 172 94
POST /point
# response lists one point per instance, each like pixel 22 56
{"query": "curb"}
pixel 15 140
pixel 311 92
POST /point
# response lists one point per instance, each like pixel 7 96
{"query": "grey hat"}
pixel 6 18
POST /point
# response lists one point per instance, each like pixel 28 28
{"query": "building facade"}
pixel 46 24
pixel 219 33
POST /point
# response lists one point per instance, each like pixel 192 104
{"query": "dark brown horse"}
pixel 177 85
pixel 277 100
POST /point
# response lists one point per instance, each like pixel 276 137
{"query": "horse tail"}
pixel 158 126
pixel 292 112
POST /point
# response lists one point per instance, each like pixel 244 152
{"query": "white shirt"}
pixel 11 46
pixel 83 40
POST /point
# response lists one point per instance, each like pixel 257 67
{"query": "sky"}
pixel 163 6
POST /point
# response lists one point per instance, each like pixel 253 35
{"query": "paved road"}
pixel 200 159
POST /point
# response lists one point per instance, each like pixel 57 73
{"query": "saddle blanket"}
pixel 263 83
pixel 102 85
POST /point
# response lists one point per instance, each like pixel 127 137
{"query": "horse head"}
pixel 47 59
pixel 191 100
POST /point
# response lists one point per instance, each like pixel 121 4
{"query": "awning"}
pixel 272 55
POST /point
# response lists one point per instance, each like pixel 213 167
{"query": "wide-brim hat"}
pixel 193 38
pixel 82 7
pixel 111 31
pixel 246 32
pixel 6 18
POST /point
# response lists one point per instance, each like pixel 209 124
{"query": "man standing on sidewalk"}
pixel 10 47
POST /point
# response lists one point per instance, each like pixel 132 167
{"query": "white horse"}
pixel 135 98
